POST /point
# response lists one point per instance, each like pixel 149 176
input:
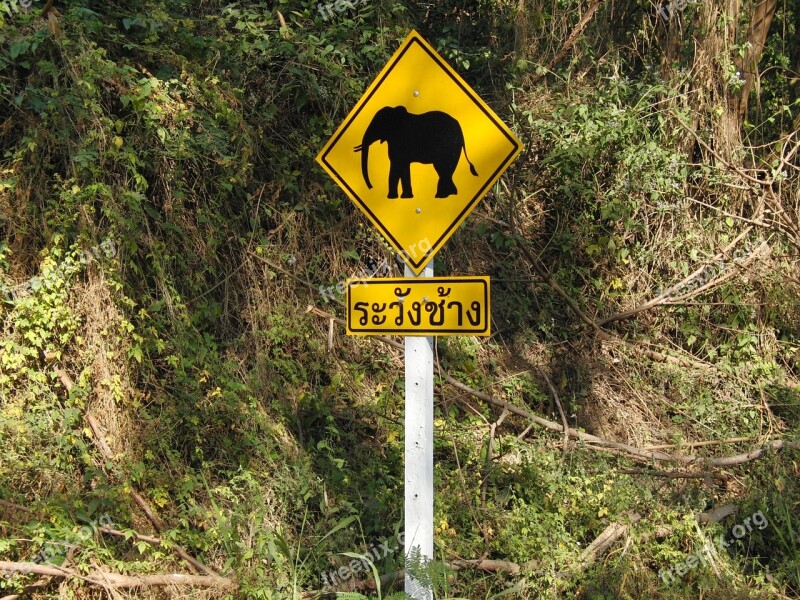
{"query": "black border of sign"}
pixel 426 280
pixel 515 148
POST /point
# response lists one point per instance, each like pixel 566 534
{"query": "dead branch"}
pixel 48 570
pixel 739 459
pixel 721 278
pixel 660 357
pixel 604 541
pixel 717 514
pixel 116 580
pixel 490 566
pixel 674 474
pixel 724 461
pixel 37 586
pixel 650 455
pixel 144 538
pixel 735 440
pixel 12 506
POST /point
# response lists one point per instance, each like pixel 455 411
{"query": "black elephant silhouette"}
pixel 429 138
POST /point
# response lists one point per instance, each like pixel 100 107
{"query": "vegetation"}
pixel 169 404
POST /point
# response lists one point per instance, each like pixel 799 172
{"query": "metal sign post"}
pixel 419 458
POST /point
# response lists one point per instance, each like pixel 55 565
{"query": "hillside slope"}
pixel 177 395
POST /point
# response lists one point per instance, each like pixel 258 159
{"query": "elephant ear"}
pixel 388 123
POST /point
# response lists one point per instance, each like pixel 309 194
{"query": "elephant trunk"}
pixel 373 134
pixel 365 162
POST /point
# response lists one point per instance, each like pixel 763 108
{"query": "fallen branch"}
pixel 705 475
pixel 485 564
pixel 144 538
pixel 656 356
pixel 725 461
pixel 12 506
pixel 717 514
pixel 721 278
pixel 30 589
pixel 603 542
pixel 735 440
pixel 739 459
pixel 115 580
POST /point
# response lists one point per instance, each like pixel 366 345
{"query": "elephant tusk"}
pixel 358 148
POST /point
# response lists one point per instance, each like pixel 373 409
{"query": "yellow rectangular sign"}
pixel 434 306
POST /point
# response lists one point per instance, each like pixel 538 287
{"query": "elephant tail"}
pixel 471 166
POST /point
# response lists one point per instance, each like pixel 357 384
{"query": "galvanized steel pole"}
pixel 418 458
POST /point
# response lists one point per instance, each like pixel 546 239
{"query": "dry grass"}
pixel 103 365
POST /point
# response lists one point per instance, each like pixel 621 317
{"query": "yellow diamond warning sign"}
pixel 418 151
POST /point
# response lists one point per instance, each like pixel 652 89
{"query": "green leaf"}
pixel 152 212
pixel 340 525
pixel 18 48
pixel 136 354
pixel 377 577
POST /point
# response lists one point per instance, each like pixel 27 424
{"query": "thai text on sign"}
pixel 435 306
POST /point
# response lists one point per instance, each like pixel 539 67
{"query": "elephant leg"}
pixel 394 179
pixel 405 180
pixel 445 187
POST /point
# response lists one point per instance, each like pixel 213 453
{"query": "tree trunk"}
pixel 747 65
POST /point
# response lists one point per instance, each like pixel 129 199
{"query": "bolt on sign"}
pixel 418 151
pixel 433 306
